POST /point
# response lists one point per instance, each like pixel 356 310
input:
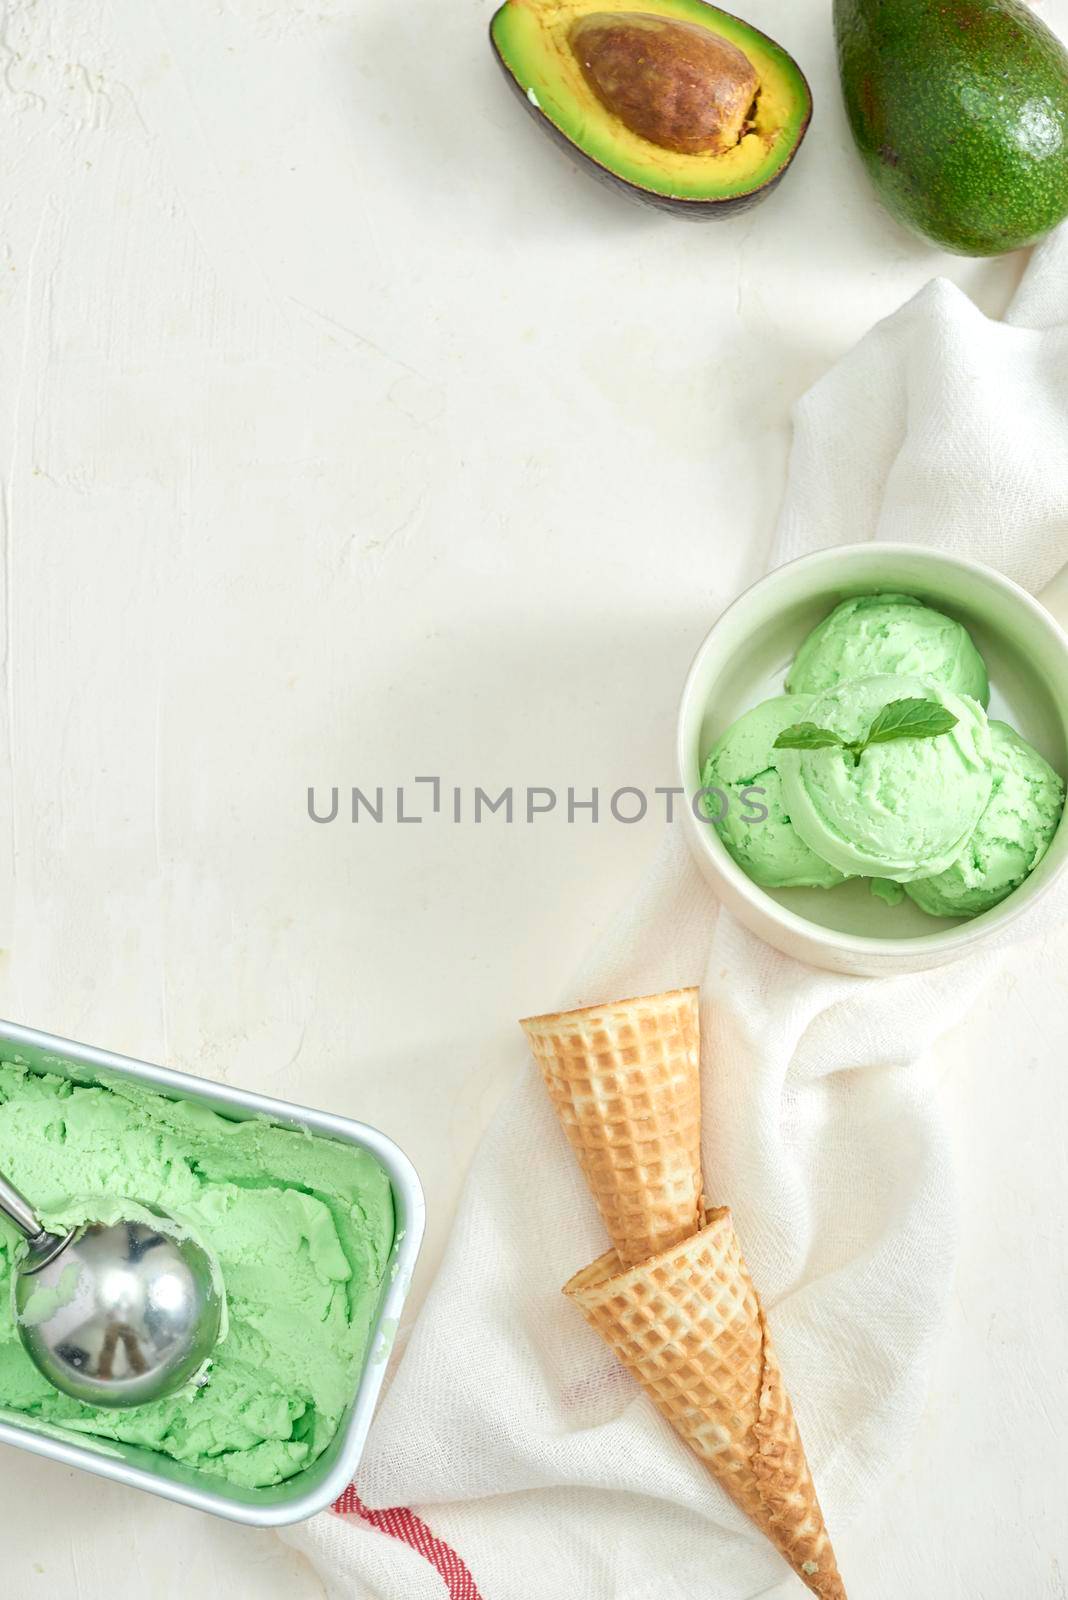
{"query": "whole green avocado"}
pixel 960 111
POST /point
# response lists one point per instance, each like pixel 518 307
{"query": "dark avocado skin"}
pixel 960 111
pixel 732 207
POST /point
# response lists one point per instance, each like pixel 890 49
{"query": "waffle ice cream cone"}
pixel 689 1326
pixel 624 1079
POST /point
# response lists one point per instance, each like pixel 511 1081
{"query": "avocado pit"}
pixel 678 85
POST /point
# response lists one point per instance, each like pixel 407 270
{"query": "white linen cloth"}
pixel 508 1425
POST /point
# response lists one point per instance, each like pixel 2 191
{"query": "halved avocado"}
pixel 682 104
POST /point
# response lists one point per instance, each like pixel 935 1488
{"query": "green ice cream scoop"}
pixel 905 809
pixel 1011 836
pixel 746 801
pixel 879 633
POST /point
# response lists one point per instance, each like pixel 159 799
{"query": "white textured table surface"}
pixel 348 434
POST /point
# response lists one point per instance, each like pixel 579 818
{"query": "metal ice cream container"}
pixel 318 1485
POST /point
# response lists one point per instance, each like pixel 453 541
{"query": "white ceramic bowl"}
pixel 744 660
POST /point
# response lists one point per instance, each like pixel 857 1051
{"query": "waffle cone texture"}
pixel 625 1081
pixel 687 1323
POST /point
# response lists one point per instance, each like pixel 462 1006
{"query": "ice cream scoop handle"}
pixel 1055 597
pixel 19 1211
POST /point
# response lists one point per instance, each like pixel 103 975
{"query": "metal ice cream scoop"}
pixel 115 1313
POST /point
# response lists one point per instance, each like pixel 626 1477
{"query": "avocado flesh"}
pixel 960 111
pixel 532 39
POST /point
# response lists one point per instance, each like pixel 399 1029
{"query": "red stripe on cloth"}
pixel 402 1523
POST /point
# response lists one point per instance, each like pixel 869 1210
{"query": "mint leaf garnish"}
pixel 910 719
pixel 806 736
pixel 901 719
